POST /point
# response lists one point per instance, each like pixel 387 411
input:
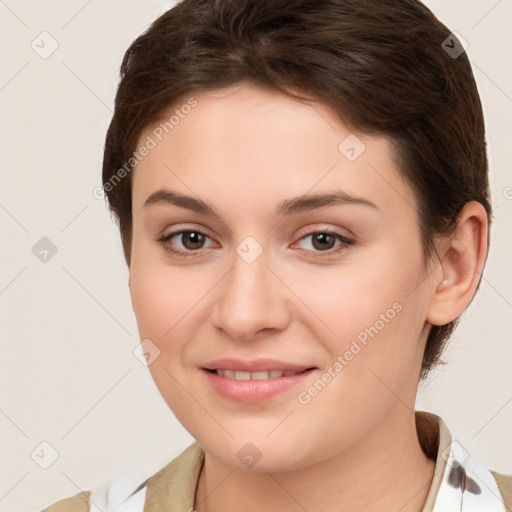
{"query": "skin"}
pixel 354 446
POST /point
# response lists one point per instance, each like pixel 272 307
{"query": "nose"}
pixel 251 300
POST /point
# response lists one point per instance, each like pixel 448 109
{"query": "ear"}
pixel 462 257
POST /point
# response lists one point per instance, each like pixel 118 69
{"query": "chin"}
pixel 255 453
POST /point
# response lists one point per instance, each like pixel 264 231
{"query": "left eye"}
pixel 323 241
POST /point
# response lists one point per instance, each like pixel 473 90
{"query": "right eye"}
pixel 192 240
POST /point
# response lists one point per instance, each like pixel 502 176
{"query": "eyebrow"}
pixel 287 207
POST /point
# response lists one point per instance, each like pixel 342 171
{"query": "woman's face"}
pixel 272 279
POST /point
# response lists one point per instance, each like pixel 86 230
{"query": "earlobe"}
pixel 462 259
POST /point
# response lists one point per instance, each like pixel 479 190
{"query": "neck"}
pixel 387 471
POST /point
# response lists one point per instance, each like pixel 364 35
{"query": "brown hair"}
pixel 386 68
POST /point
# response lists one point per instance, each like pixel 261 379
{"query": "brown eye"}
pixel 323 241
pixel 192 239
pixel 187 243
pixel 324 244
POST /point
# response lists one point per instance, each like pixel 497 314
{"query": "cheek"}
pixel 150 301
pixel 368 305
pixel 159 302
pixel 160 293
pixel 160 306
pixel 168 302
pixel 347 300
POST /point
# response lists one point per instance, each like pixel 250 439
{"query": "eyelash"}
pixel 345 242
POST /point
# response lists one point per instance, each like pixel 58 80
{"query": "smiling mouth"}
pixel 262 375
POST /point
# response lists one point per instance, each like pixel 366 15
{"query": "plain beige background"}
pixel 68 375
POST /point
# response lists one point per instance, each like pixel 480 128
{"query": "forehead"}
pixel 244 142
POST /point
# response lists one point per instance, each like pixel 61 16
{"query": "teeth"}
pixel 241 375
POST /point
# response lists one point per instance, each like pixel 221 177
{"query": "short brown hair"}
pixel 384 67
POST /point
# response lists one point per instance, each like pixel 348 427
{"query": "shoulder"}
pixel 77 503
pixel 505 486
pixel 174 483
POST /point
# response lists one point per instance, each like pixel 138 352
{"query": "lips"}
pixel 254 381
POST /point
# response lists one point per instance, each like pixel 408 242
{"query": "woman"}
pixel 302 194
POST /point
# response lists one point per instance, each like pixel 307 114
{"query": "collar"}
pixel 461 483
